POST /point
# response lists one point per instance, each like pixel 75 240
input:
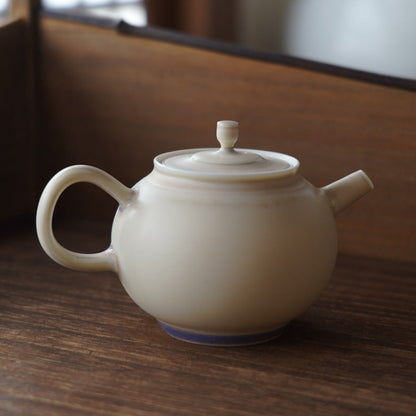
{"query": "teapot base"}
pixel 221 340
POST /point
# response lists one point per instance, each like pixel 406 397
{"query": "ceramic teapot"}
pixel 222 246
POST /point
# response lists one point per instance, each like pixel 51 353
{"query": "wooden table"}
pixel 73 343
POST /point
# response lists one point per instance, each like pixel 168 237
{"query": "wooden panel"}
pixel 116 101
pixel 16 163
pixel 73 343
pixel 207 18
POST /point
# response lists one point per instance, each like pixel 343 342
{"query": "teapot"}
pixel 223 246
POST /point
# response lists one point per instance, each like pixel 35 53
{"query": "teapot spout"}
pixel 347 190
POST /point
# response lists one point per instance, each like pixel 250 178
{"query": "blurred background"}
pixel 78 85
pixel 377 36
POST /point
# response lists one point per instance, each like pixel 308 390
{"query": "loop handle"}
pixel 104 260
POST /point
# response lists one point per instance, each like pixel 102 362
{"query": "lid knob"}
pixel 227 133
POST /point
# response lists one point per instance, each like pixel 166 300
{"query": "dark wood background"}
pixel 16 155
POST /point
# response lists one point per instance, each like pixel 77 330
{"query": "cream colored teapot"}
pixel 222 246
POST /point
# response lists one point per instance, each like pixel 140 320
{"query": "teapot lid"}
pixel 227 162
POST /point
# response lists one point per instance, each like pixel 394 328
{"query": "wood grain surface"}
pixel 73 343
pixel 116 101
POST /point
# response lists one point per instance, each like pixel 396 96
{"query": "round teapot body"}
pixel 223 246
pixel 224 257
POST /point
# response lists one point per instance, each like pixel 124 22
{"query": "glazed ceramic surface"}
pixel 222 246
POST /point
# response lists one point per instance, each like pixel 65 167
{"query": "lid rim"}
pixel 227 176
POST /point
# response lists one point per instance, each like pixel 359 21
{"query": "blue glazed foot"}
pixel 221 340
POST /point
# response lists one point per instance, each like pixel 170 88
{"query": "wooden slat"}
pixel 117 101
pixel 73 343
pixel 17 118
pixel 16 155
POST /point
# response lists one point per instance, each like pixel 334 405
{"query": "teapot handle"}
pixel 104 260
